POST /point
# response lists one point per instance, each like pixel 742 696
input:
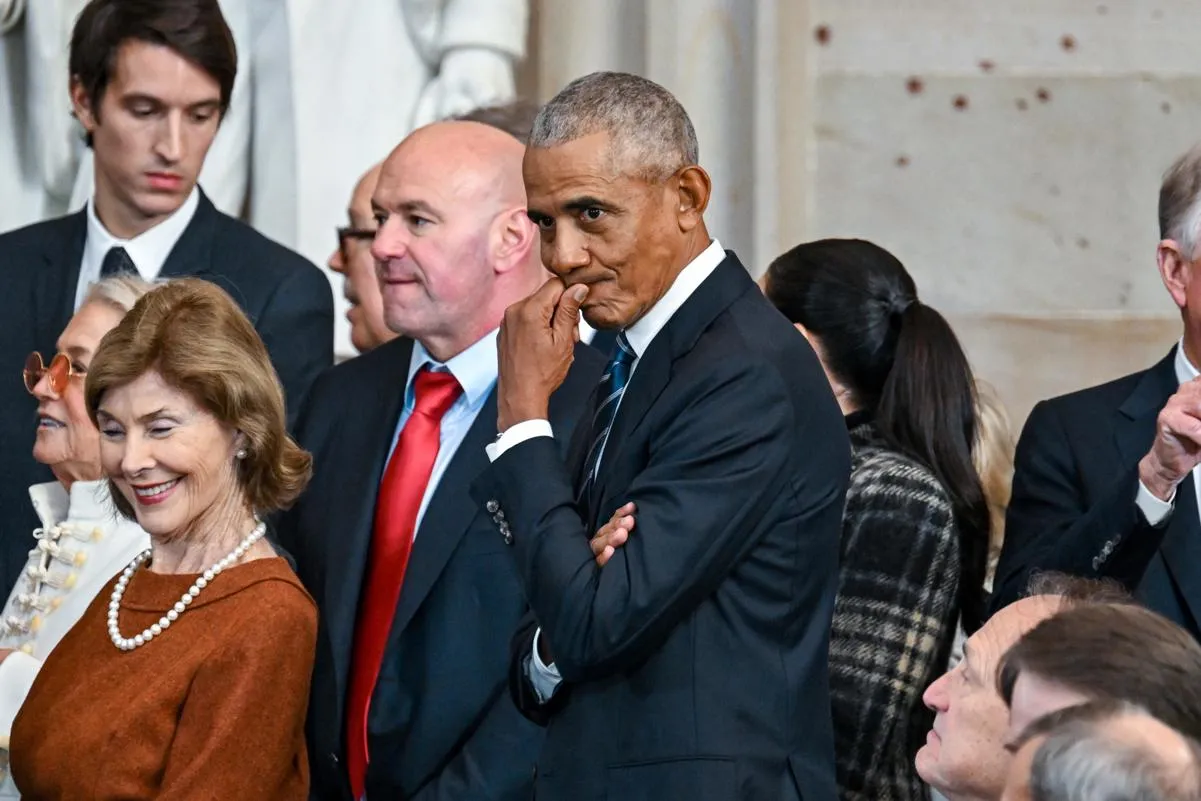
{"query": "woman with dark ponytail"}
pixel 915 530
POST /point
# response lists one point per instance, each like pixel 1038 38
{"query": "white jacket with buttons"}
pixel 83 542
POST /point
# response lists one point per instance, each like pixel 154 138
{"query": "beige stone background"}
pixel 1007 151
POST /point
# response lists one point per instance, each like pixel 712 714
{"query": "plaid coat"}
pixel 894 618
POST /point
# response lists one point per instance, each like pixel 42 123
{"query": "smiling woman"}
pixel 80 544
pixel 208 628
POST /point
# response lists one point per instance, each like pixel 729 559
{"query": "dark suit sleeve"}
pixel 497 761
pixel 297 326
pixel 714 471
pixel 1053 524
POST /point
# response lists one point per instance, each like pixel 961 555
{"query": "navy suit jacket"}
pixel 285 296
pixel 694 662
pixel 1073 507
pixel 441 726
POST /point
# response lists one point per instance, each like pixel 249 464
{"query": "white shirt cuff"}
pixel 17 673
pixel 1153 508
pixel 545 679
pixel 515 435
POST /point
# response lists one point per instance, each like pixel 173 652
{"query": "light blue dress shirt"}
pixel 475 369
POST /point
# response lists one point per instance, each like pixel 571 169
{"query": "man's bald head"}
pixel 470 159
pixel 455 246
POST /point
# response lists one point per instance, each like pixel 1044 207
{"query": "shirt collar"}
pixel 640 334
pixel 1185 371
pixel 148 250
pixel 87 501
pixel 475 368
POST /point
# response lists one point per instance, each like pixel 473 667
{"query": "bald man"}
pixel 352 259
pixel 418 597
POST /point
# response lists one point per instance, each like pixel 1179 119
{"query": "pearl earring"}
pixel 241 454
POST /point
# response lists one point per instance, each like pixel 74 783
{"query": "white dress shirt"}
pixel 82 544
pixel 148 250
pixel 475 370
pixel 545 678
pixel 1153 508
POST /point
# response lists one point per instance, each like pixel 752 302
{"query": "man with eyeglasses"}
pixel 353 261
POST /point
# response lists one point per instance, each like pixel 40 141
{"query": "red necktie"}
pixel 400 495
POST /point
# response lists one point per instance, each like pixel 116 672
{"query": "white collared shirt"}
pixel 639 335
pixel 148 250
pixel 1153 508
pixel 544 678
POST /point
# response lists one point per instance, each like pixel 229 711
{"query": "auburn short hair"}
pixel 193 334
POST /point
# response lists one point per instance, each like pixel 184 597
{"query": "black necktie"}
pixel 117 262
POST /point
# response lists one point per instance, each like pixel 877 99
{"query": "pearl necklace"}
pixel 164 622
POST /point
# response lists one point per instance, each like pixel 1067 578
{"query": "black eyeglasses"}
pixel 345 235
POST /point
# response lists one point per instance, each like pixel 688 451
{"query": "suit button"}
pixel 508 535
pixel 334 758
pixel 493 506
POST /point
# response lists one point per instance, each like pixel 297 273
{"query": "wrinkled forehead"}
pixel 1002 631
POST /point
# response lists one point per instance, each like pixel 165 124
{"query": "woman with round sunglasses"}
pixel 81 543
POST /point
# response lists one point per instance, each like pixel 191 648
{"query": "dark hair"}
pixel 515 118
pixel 902 362
pixel 194 335
pixel 195 29
pixel 1077 590
pixel 1116 652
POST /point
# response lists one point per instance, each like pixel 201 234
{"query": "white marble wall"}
pixel 1009 153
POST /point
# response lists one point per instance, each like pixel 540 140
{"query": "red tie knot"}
pixel 434 392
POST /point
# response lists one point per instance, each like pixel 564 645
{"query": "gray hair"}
pixel 651 134
pixel 515 118
pixel 1085 760
pixel 119 291
pixel 1180 203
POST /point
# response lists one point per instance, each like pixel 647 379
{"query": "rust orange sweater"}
pixel 212 709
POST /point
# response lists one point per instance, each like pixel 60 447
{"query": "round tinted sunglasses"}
pixel 58 372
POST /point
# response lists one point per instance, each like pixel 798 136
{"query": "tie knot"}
pixel 117 262
pixel 623 353
pixel 434 392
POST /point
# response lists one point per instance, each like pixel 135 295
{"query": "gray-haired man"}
pixel 693 664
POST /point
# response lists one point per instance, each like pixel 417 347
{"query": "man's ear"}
pixel 693 189
pixel 1175 269
pixel 81 105
pixel 513 236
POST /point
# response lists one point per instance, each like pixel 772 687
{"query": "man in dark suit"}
pixel 417 595
pixel 1104 482
pixel 150 81
pixel 693 664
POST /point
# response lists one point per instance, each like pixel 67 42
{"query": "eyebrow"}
pixel 141 97
pixel 78 352
pixel 585 202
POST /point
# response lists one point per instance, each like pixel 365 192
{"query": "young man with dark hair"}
pixel 150 81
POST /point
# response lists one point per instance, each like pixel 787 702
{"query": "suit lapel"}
pixel 653 370
pixel 1181 547
pixel 54 288
pixel 447 518
pixel 362 447
pixel 1135 427
pixel 193 252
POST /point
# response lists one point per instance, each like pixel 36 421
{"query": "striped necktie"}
pixel 612 386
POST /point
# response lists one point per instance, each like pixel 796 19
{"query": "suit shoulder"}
pixel 1107 396
pixel 34 234
pixel 359 372
pixel 251 248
